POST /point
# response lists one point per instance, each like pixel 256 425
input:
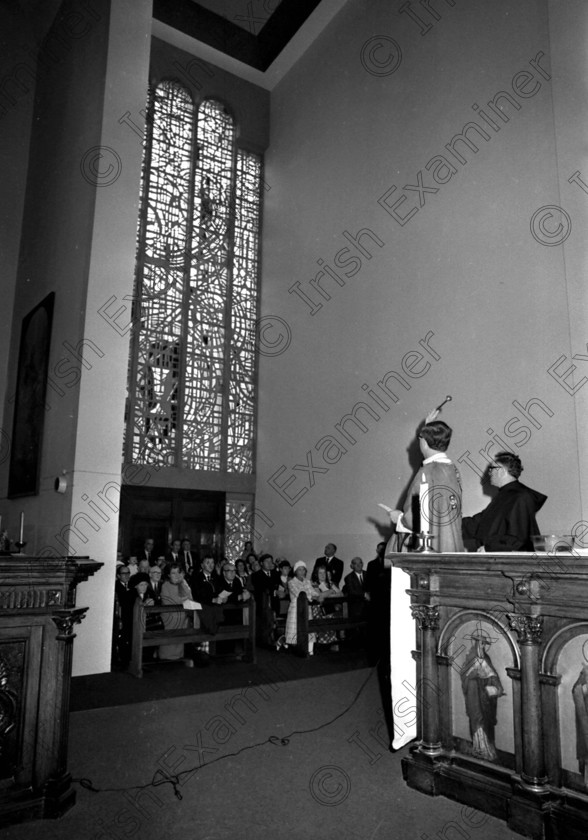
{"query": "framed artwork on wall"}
pixel 29 404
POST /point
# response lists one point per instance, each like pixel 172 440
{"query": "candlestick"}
pixel 424 504
pixel 20 539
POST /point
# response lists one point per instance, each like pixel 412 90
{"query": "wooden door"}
pixel 166 513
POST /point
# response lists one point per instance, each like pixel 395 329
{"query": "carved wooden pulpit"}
pixel 502 685
pixel 38 615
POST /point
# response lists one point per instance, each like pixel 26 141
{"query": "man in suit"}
pixel 154 590
pixel 187 560
pixel 230 591
pixel 173 555
pixel 354 588
pixel 230 588
pixel 377 583
pixel 124 599
pixel 265 583
pixel 147 552
pixel 375 568
pixel 205 582
pixel 332 564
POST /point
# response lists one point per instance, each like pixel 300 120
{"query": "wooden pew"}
pixel 306 625
pixel 143 638
pixel 269 617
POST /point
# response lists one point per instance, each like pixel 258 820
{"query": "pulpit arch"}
pixel 564 686
pixel 448 632
pixel 557 642
pixel 479 665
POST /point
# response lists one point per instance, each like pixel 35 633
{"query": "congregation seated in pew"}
pixel 215 581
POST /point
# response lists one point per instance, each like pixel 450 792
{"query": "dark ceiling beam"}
pixel 258 51
pixel 281 27
pixel 188 17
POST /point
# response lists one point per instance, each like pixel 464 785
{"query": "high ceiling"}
pixel 258 40
pixel 250 15
pixel 251 31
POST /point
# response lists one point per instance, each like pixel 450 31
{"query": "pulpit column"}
pixel 530 629
pixel 65 621
pixel 428 682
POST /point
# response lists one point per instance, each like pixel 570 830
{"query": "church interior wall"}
pixel 470 259
pixel 395 270
pixel 78 241
pixel 16 110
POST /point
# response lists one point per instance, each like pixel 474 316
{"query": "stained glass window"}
pixel 238 526
pixel 192 368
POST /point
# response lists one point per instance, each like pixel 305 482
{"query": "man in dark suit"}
pixel 332 564
pixel 206 587
pixel 377 581
pixel 230 591
pixel 154 590
pixel 230 587
pixel 375 568
pixel 188 560
pixel 205 583
pixel 265 583
pixel 354 588
pixel 172 556
pixel 124 598
pixel 147 552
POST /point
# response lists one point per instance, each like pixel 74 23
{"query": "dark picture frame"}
pixel 29 405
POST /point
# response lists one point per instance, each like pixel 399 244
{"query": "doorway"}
pixel 164 513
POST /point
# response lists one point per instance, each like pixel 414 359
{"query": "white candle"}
pixel 20 539
pixel 424 504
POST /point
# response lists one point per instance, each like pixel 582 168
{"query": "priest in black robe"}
pixel 509 522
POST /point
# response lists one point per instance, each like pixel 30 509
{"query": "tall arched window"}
pixel 191 401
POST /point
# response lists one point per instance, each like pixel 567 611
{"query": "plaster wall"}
pixel 461 282
pixel 18 71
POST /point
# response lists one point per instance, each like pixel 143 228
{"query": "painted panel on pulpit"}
pixel 11 690
pixel 481 692
pixel 572 665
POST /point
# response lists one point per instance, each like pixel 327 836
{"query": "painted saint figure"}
pixel 481 688
pixel 580 696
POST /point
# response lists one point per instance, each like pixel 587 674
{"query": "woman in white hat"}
pixel 296 585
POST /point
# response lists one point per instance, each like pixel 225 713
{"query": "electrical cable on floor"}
pixel 161 778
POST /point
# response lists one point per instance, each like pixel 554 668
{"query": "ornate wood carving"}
pixel 427 617
pixel 528 627
pixel 65 620
pixel 37 595
pixel 538 779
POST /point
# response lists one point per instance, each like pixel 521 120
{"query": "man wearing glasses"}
pixel 509 522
